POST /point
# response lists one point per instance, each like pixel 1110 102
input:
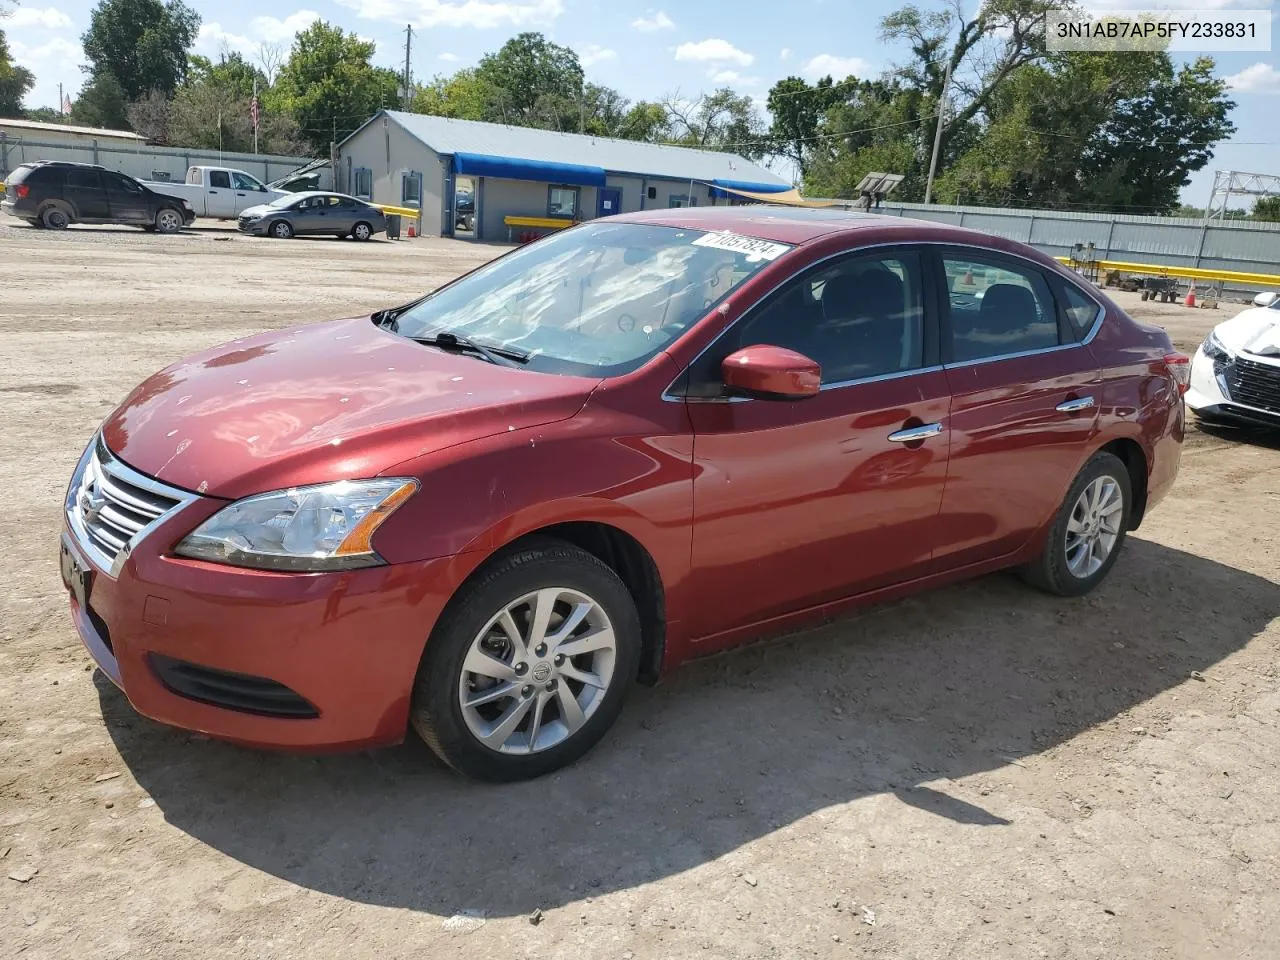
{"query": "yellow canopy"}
pixel 786 198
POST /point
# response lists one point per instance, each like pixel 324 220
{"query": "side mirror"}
pixel 771 373
pixel 1264 299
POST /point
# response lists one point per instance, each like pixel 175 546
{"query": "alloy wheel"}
pixel 537 671
pixel 1094 527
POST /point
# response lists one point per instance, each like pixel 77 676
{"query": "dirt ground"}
pixel 982 771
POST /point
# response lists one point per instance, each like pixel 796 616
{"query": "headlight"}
pixel 324 527
pixel 1213 348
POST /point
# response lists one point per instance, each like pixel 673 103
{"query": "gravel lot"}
pixel 982 771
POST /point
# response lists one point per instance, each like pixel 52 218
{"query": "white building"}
pixel 468 177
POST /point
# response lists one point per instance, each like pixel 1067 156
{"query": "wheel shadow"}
pixel 1253 434
pixel 945 685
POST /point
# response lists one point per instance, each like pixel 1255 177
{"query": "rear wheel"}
pixel 55 218
pixel 1088 532
pixel 168 220
pixel 281 230
pixel 529 665
pixel 362 231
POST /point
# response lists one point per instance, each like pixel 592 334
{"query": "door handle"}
pixel 1075 406
pixel 922 432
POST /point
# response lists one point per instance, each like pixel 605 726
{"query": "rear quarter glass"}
pixel 19 175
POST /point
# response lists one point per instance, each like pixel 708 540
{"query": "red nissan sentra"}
pixel 487 513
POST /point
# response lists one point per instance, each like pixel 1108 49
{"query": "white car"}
pixel 1235 375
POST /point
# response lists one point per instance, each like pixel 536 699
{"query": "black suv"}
pixel 55 194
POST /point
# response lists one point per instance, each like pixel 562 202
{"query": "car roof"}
pixel 326 193
pixel 796 225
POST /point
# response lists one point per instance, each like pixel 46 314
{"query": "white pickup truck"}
pixel 218 192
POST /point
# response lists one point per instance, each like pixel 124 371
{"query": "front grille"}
pixel 233 691
pixel 109 504
pixel 1255 384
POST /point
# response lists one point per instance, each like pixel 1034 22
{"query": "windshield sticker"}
pixel 754 250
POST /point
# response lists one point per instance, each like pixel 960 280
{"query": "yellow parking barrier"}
pixel 409 213
pixel 1188 273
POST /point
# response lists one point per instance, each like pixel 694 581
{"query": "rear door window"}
pixel 85 179
pixel 46 176
pixel 1082 310
pixel 998 307
pixel 220 178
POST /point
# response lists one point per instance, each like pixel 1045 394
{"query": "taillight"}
pixel 22 190
pixel 1179 365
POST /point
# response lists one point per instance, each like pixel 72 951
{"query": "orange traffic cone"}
pixel 412 233
pixel 967 279
pixel 1191 295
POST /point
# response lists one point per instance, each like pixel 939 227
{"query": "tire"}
pixel 168 220
pixel 55 217
pixel 468 635
pixel 1062 568
pixel 280 230
pixel 362 231
pixel 1146 295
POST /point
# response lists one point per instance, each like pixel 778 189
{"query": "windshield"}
pixel 284 201
pixel 597 300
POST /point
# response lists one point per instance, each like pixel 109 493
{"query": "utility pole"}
pixel 61 109
pixel 937 133
pixel 408 44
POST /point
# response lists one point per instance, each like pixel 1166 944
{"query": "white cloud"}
pixel 714 50
pixel 272 30
pixel 49 18
pixel 732 77
pixel 653 22
pixel 1259 78
pixel 594 53
pixel 212 39
pixel 448 57
pixel 478 14
pixel 785 54
pixel 826 64
pixel 54 52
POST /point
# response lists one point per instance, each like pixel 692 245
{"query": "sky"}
pixel 644 50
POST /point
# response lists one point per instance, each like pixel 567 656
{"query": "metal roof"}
pixel 38 127
pixel 446 135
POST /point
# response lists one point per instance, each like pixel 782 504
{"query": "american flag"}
pixel 66 105
pixel 253 111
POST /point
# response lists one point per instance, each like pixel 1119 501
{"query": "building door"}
pixel 465 207
pixel 610 201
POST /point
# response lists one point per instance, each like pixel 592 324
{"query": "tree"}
pixel 149 116
pixel 1267 208
pixel 463 96
pixel 101 103
pixel 721 120
pixel 46 115
pixel 141 44
pixel 534 81
pixel 15 82
pixel 798 110
pixel 232 74
pixel 330 86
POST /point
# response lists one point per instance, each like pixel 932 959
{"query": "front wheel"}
pixel 529 665
pixel 281 230
pixel 1088 532
pixel 168 220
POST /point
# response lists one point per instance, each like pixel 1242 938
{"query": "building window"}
pixel 562 202
pixel 411 189
pixel 681 200
pixel 363 186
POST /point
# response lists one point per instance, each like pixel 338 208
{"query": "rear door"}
pixel 804 502
pixel 221 199
pixel 1025 400
pixel 125 199
pixel 86 195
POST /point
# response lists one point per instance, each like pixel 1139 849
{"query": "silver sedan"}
pixel 314 213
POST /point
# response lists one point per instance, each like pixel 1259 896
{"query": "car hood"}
pixel 324 402
pixel 256 211
pixel 1254 331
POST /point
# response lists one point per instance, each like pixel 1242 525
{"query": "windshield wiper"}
pixel 503 356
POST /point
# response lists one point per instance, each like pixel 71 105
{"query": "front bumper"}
pixel 345 644
pixel 254 227
pixel 1210 393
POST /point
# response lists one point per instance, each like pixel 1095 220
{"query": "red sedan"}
pixel 487 513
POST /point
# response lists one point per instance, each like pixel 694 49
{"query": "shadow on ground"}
pixel 946 685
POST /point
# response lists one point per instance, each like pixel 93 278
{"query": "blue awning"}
pixel 513 168
pixel 745 185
